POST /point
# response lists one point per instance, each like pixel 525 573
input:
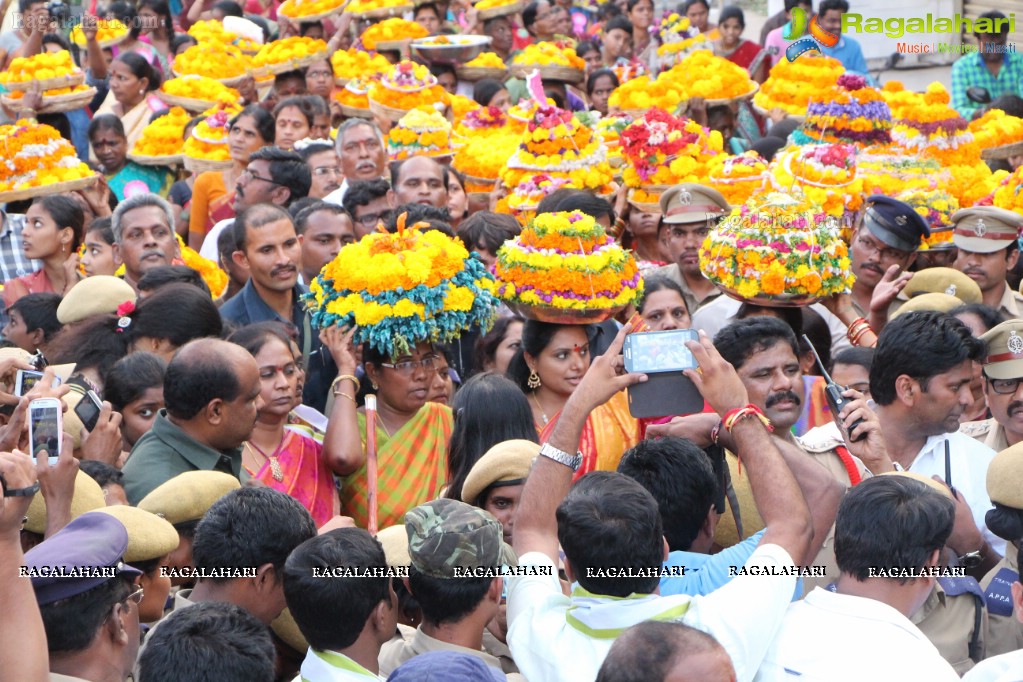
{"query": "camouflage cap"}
pixel 445 535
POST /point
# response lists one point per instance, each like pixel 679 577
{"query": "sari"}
pixel 307 477
pixel 412 467
pixel 135 178
pixel 609 431
pixel 749 56
pixel 134 121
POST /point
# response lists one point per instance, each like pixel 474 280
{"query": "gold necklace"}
pixel 275 466
pixel 540 407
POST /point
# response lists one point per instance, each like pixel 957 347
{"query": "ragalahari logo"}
pixel 798 28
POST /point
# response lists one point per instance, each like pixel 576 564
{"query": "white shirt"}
pixel 337 197
pixel 209 250
pixel 330 666
pixel 969 462
pixel 1005 668
pixel 838 637
pixel 546 628
pixel 719 313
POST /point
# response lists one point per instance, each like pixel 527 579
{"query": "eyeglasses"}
pixel 250 175
pixel 370 219
pixel 408 366
pixel 136 596
pixel 882 252
pixel 326 170
pixel 1004 386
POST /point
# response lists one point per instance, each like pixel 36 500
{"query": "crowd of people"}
pixel 260 497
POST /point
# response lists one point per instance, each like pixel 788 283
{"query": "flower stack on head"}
pixel 46 66
pixel 213 31
pixel 826 173
pixel 353 63
pixel 223 62
pixel 521 114
pixel 288 54
pixel 390 33
pixel 1008 194
pixel 791 86
pixel 482 158
pixel 164 137
pixel 309 11
pixel 37 157
pixel 563 266
pixel 404 87
pixel 777 249
pixel 704 74
pixel 555 61
pixel 377 8
pixel 678 38
pixel 889 170
pixel 403 288
pixel 109 32
pixel 662 150
pixel 208 140
pixel 197 93
pixel 482 122
pixel 998 134
pixel 354 96
pixel 737 177
pixel 851 112
pixel 420 132
pixel 936 207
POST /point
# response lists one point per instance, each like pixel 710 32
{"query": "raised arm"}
pixel 342 444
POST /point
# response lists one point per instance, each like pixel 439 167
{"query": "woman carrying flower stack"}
pixel 132 82
pixel 125 178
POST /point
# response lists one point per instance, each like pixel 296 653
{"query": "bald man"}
pixel 657 651
pixel 211 391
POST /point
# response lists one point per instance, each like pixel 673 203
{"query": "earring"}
pixel 374 385
pixel 533 382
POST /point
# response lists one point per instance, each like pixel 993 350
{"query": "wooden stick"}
pixel 371 462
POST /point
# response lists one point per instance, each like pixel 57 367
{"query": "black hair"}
pixel 552 94
pixel 102 226
pixel 692 3
pixel 632 4
pixel 991 317
pixel 57 121
pixel 655 283
pixel 362 192
pixel 732 12
pixel 162 10
pixel 489 409
pixel 607 10
pixel 177 312
pixel 679 477
pixel 131 377
pixel 39 311
pixel 163 275
pixel 71 623
pixel 566 199
pixel 489 230
pixel 102 473
pixel 816 329
pixel 993 15
pixel 444 600
pixel 125 13
pixel 318 206
pixel 620 22
pixel 438 70
pixel 298 102
pixel 26 5
pixel 286 168
pixel 652 649
pixel 255 217
pixel 607 520
pixel 251 527
pixel 485 90
pixel 1010 104
pixel 429 6
pixel 437 218
pixel 209 641
pixel 767 147
pixel 297 207
pixel 792 4
pixel 252 337
pixel 189 385
pixel 182 39
pixel 893 522
pixel 743 338
pixel 229 8
pixel 1005 522
pixel 588 45
pixel 57 39
pixel 861 357
pixel 921 345
pixel 315 148
pixel 331 614
pixel 141 68
pixel 529 15
pixel 264 121
pixel 831 5
pixel 487 344
pixel 105 122
pixel 226 244
pixel 591 80
pixel 536 336
pixel 66 212
pixel 396 167
pixel 289 75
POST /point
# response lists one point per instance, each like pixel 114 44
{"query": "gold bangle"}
pixel 344 395
pixel 339 379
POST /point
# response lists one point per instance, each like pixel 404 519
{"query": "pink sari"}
pixel 307 477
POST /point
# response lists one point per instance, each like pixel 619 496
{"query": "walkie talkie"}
pixel 833 392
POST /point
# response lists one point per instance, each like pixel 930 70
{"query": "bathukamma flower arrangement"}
pixel 414 285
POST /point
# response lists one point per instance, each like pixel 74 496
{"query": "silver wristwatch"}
pixel 573 462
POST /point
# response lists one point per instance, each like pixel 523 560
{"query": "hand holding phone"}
pixel 45 428
pixel 88 410
pixel 664 351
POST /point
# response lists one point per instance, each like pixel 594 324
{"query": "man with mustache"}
pixel 143 227
pixel 360 146
pixel 1003 376
pixel 986 237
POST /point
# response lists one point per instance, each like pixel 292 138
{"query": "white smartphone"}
pixel 45 428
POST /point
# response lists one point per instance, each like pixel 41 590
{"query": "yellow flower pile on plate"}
pixel 889 170
pixel 214 60
pixel 484 157
pixel 165 136
pixel 200 87
pixel 289 50
pixel 931 127
pixel 486 60
pixel 43 66
pixel 566 261
pixel 491 4
pixel 209 139
pixel 36 155
pixel 679 38
pixel 704 74
pixel 483 122
pixel 779 247
pixel 793 85
pixel 406 86
pixel 364 6
pixel 737 177
pixel 936 207
pixel 549 54
pixel 826 174
pixel 996 128
pixel 645 92
pixel 106 30
pixel 212 31
pixel 354 94
pixel 297 9
pixel 391 29
pixel 353 63
pixel 420 132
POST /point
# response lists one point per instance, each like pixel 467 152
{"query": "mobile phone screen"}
pixel 660 351
pixel 26 380
pixel 44 423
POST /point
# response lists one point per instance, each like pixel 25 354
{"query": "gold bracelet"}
pixel 339 379
pixel 345 395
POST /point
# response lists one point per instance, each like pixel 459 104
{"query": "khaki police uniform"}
pixel 1005 632
pixel 987 229
pixel 955 619
pixel 987 431
pixel 398 650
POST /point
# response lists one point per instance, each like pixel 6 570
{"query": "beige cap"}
pixel 508 462
pixel 394 540
pixel 188 496
pixel 985 229
pixel 285 627
pixel 96 295
pixel 1005 477
pixel 940 302
pixel 88 496
pixel 944 281
pixel 1004 350
pixel 692 203
pixel 149 536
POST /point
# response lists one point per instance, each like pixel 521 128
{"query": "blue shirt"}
pixel 970 71
pixel 849 53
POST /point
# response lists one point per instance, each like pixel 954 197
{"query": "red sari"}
pixel 307 477
pixel 609 431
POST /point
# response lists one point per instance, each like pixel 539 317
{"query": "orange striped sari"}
pixel 609 431
pixel 412 467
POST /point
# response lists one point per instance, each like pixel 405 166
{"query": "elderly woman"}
pixel 132 82
pixel 124 177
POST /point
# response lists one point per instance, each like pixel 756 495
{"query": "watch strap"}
pixel 573 462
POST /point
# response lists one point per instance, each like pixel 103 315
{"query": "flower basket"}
pixel 197 165
pixel 294 64
pixel 387 112
pixel 763 112
pixel 232 82
pixel 645 207
pixel 548 72
pixel 1002 151
pixel 478 73
pixel 68 81
pixel 738 98
pixel 47 190
pixel 563 316
pixel 500 11
pixel 393 45
pixel 354 112
pixel 55 104
pixel 287 6
pixel 383 12
pixel 187 103
pixel 143 160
